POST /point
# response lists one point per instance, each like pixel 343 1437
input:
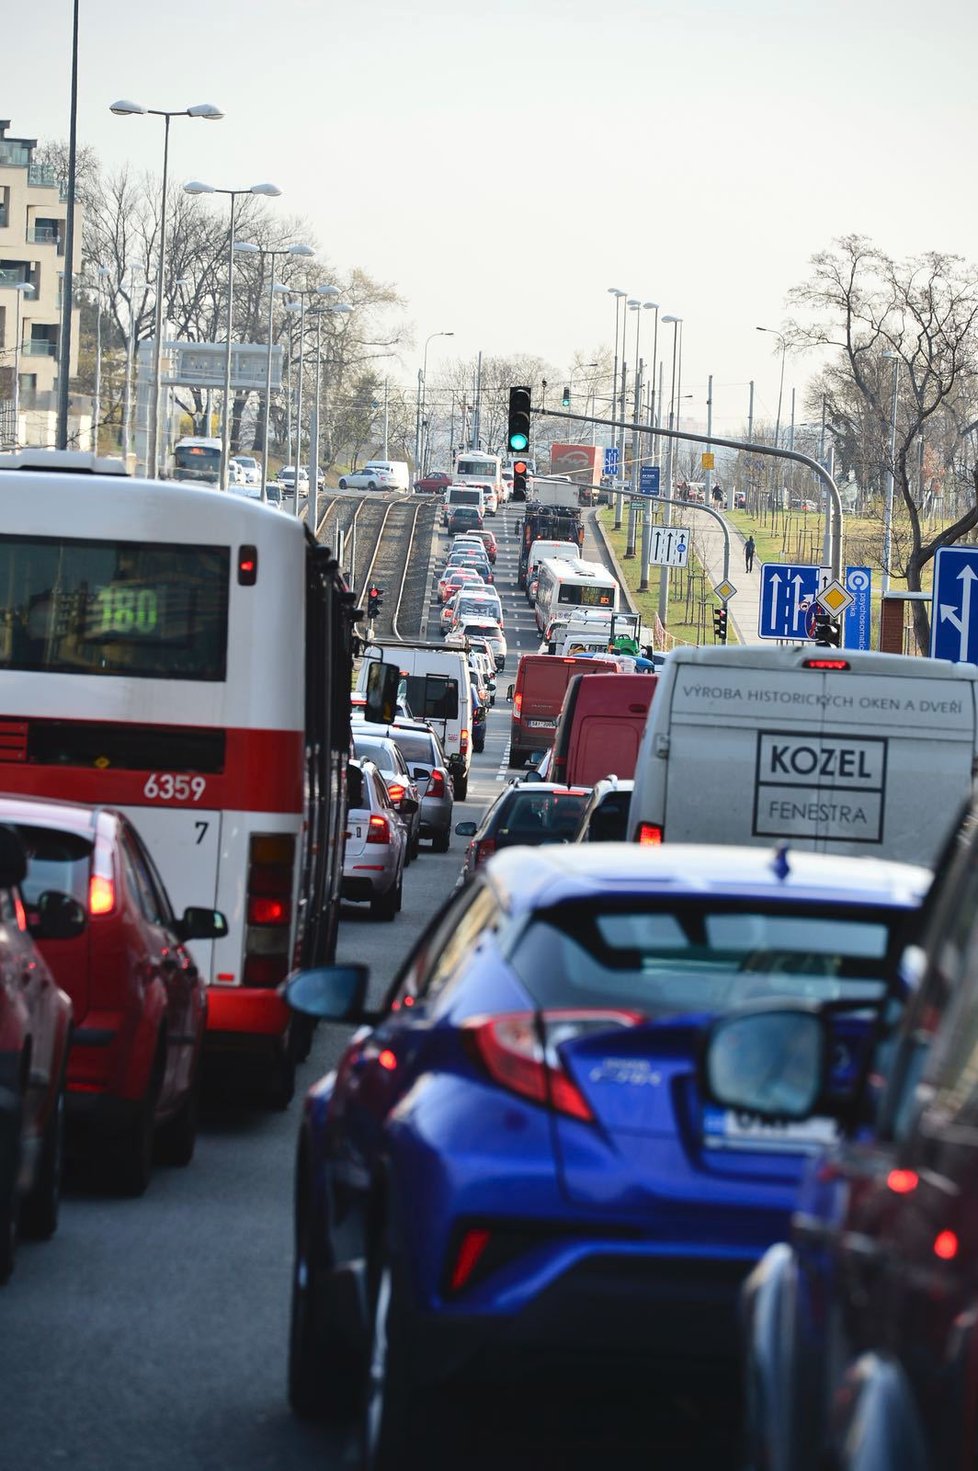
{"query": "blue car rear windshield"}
pixel 704 956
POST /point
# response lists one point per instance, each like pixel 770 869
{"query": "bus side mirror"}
pixel 382 683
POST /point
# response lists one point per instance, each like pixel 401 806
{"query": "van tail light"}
pixel 436 785
pixel 520 1050
pixel 484 849
pixel 271 867
pixel 649 834
pixel 396 792
pixel 463 740
pixel 378 829
pixel 517 706
pixel 101 894
pixel 559 768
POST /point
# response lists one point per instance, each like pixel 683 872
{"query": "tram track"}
pixel 387 543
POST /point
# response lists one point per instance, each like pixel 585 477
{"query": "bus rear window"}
pixel 146 610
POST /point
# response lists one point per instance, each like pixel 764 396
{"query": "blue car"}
pixel 512 1158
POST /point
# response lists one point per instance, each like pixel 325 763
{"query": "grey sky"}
pixel 692 153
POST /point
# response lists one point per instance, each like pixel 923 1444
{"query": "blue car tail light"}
pixel 520 1050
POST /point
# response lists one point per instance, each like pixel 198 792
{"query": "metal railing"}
pixel 39 347
pixel 41 175
pixel 43 235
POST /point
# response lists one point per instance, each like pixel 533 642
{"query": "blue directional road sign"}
pixel 648 480
pixel 787 593
pixel 954 611
pixel 858 616
pixel 611 459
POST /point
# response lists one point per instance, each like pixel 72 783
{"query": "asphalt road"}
pixel 150 1335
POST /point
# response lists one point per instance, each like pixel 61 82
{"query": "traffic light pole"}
pixel 835 540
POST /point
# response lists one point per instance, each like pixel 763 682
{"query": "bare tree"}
pixel 923 312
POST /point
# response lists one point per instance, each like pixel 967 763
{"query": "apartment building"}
pixel 33 228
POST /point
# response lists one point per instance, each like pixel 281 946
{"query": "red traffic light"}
pixel 519 467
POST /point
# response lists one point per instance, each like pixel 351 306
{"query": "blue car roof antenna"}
pixel 779 863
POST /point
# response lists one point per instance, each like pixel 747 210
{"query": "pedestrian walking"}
pixel 749 554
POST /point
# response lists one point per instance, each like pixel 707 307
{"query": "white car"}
pixel 375 849
pixel 286 477
pixel 371 477
pixel 249 467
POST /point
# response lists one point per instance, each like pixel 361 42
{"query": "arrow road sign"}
pixel 954 611
pixel 669 546
pixel 648 480
pixel 787 592
pixel 611 459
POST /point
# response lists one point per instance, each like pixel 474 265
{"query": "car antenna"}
pixel 779 862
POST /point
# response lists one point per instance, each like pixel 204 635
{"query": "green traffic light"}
pixel 518 441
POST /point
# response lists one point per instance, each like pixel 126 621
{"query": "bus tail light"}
pixel 271 865
pixel 649 834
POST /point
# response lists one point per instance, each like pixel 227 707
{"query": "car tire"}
pixel 416 844
pixel 342 485
pixel 176 1140
pixel 39 1210
pixel 441 842
pixel 322 1375
pixel 371 485
pixel 386 905
pixel 460 787
pixel 394 1422
pixel 280 1081
pixel 132 1156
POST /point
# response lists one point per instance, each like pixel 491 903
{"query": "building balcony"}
pixel 41 175
pixel 39 347
pixel 45 235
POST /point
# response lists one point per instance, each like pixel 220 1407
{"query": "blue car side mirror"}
pixel 334 993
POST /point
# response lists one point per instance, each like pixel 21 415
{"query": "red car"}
pixel 140 1006
pixel 433 483
pixel 450 582
pixel 35 1025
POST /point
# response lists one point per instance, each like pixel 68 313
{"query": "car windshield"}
pixel 538 817
pixel 55 860
pixel 415 747
pixel 374 751
pixel 704 955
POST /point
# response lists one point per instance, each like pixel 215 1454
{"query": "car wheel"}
pixel 372 485
pixel 441 842
pixel 132 1157
pixel 387 905
pixel 39 1212
pixel 323 1377
pixel 176 1140
pixel 393 1420
pixel 280 1081
pixel 342 485
pixel 416 843
pixel 460 786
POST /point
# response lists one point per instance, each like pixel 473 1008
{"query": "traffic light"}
pixel 518 433
pixel 519 480
pixel 720 625
pixel 375 597
pixel 828 630
pixel 565 398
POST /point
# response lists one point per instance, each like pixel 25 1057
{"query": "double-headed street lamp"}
pixel 271 191
pixel 300 307
pixel 339 309
pixel 674 396
pixel 101 273
pixel 773 332
pixel 893 357
pixel 134 109
pixel 22 288
pixel 296 251
pixel 422 387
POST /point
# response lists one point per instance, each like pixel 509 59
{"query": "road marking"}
pixel 503 771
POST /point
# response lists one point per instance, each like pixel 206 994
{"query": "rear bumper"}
pixel 670 1312
pixel 238 1014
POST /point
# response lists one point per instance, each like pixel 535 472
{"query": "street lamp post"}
pixel 422 387
pixel 293 250
pixel 893 357
pixel 134 109
pixel 773 332
pixel 676 323
pixel 300 307
pixel 271 191
pixel 21 288
pixel 101 274
pixel 339 309
pixel 618 295
pixel 130 353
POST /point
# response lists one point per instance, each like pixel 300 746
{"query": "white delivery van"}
pixel 822 748
pixel 395 473
pixel 463 495
pixel 436 686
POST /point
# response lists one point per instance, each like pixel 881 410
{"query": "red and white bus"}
pixel 185 655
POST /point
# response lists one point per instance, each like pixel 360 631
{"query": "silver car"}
pixel 369 743
pixel 376 843
pixel 426 760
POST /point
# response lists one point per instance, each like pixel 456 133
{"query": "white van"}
pixel 395 473
pixel 463 495
pixel 825 749
pixel 436 685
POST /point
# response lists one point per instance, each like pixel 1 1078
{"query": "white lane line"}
pixel 503 771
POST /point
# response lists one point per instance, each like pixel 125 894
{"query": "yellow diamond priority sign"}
pixel 834 598
pixel 725 590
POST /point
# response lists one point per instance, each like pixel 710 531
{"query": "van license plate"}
pixel 540 724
